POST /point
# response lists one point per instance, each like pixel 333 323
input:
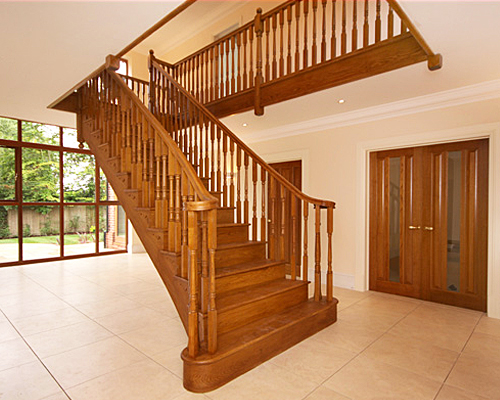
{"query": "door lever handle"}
pixel 413 227
pixel 428 228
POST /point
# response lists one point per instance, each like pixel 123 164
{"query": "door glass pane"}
pixel 454 206
pixel 9 239
pixel 79 178
pixel 7 173
pixel 394 211
pixel 79 230
pixel 40 175
pixel 38 133
pixel 41 232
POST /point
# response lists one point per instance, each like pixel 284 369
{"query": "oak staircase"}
pixel 211 215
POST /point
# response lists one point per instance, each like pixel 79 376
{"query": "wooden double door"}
pixel 428 222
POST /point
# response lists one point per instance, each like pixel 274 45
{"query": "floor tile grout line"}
pixel 38 358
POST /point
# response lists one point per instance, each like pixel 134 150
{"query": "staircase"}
pixel 212 216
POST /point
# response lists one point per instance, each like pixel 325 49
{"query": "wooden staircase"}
pixel 211 215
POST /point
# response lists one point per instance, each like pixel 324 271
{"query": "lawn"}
pixel 68 239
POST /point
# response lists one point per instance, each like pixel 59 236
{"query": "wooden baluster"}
pixel 254 200
pixel 231 173
pixel 201 147
pixel 145 140
pixel 378 24
pixel 211 93
pixel 151 177
pixel 197 134
pixel 354 25
pixel 403 26
pixel 238 184
pixel 267 24
pixel 305 59
pixel 212 310
pixel 238 62
pixel 274 64
pixel 305 257
pixel 282 60
pixel 284 219
pixel 317 265
pixel 164 188
pixel 329 274
pixel 366 26
pixel 323 32
pixel 199 77
pixel 193 339
pixel 297 36
pixel 205 284
pixel 171 208
pixel 188 75
pixel 258 109
pixel 206 171
pixel 334 31
pixel 245 77
pixel 272 218
pixel 343 37
pixel 216 72
pixel 314 33
pixel 233 64
pixel 225 192
pixel 263 217
pixel 289 42
pixel 219 156
pixel 178 210
pixel 184 267
pixel 158 190
pixel 224 81
pixel 208 82
pixel 245 201
pixel 390 23
pixel 213 175
pixel 250 72
pixel 293 256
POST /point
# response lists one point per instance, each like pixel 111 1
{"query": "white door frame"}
pixel 363 150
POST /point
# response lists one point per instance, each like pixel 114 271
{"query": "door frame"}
pixel 363 150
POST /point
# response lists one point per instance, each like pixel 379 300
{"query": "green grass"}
pixel 68 240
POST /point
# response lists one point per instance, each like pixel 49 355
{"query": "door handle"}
pixel 411 227
pixel 428 228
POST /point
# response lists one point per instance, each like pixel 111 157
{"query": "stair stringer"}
pixel 165 264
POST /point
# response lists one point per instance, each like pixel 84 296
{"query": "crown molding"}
pixel 449 98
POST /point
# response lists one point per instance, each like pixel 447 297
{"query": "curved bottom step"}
pixel 249 346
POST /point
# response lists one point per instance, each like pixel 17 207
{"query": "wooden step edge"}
pixel 231 224
pixel 161 230
pixel 251 294
pixel 246 267
pixel 236 245
pixel 246 347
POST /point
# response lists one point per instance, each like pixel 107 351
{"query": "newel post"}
pixel 258 109
pixel 152 88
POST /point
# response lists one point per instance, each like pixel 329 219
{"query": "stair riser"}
pixel 263 275
pixel 239 255
pixel 239 316
pixel 232 234
pixel 225 216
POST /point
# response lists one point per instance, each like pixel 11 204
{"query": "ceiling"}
pixel 47 47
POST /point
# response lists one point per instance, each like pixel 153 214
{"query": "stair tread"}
pixel 239 244
pixel 229 224
pixel 232 341
pixel 245 267
pixel 238 297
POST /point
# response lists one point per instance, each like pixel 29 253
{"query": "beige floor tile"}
pixel 156 338
pixel 413 355
pixel 27 382
pixel 88 362
pixel 171 359
pixel 447 315
pixel 131 320
pixel 48 321
pixel 483 345
pixel 191 396
pixel 165 307
pixel 314 360
pixel 323 393
pixel 132 287
pixel 364 378
pixel 60 340
pixel 150 296
pixel 477 375
pixel 15 352
pixel 452 393
pixel 266 382
pixel 58 396
pixel 491 326
pixel 143 380
pixel 354 337
pixel 97 309
pixel 7 332
pixel 32 306
pixel 381 319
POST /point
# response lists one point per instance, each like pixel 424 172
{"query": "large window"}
pixel 49 206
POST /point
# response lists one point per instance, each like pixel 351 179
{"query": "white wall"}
pixel 336 169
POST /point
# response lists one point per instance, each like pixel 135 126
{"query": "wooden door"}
pixel 292 171
pixel 428 222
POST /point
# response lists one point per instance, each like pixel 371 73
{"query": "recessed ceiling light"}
pixel 341 101
pixel 245 124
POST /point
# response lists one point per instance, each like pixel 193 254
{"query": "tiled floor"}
pixel 105 328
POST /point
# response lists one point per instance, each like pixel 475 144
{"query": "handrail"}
pixel 242 145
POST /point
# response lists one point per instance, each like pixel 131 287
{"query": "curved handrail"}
pixel 319 202
pixel 187 168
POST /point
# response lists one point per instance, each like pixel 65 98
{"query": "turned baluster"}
pixel 233 64
pixel 219 156
pixel 343 37
pixel 293 255
pixel 334 31
pixel 158 188
pixel 238 62
pixel 314 33
pixel 284 219
pixel 231 173
pixel 323 32
pixel 390 23
pixel 208 83
pixel 238 184
pixel 263 217
pixel 297 36
pixel 184 267
pixel 366 26
pixel 216 72
pixel 224 196
pixel 258 109
pixel 274 64
pixel 317 253
pixel 204 286
pixel 197 132
pixel 378 24
pixel 224 81
pixel 354 25
pixel 250 72
pixel 289 41
pixel 213 175
pixel 245 77
pixel 212 310
pixel 178 211
pixel 305 57
pixel 268 64
pixel 164 189
pixel 199 77
pixel 193 340
pixel 305 257
pixel 151 177
pixel 171 207
pixel 272 218
pixel 329 274
pixel 282 60
pixel 254 200
pixel 213 78
pixel 245 201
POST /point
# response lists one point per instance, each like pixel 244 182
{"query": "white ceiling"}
pixel 47 47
